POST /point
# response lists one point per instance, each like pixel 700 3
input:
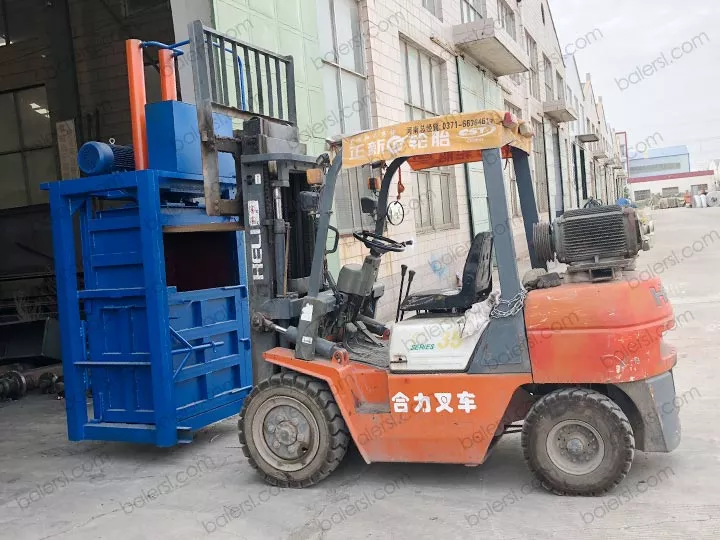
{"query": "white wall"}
pixel 683 184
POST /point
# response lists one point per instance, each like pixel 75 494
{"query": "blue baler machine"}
pixel 160 331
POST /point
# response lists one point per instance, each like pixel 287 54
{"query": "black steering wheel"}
pixel 378 243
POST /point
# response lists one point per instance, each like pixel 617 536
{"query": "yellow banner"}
pixel 451 133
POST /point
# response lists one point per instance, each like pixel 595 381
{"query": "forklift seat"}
pixel 476 283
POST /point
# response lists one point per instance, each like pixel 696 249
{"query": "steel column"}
pixel 71 326
pixel 156 298
pixel 528 206
pixel 500 222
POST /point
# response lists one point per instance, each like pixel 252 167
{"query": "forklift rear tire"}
pixel 578 441
pixel 291 430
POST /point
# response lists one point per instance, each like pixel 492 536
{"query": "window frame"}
pixel 514 193
pixel 22 149
pixel 346 175
pixel 542 183
pixel 505 11
pixel 467 7
pixel 447 180
pixel 339 69
pixel 436 106
pixel 560 83
pixel 435 10
pixel 534 79
pixel 549 76
pixel 360 175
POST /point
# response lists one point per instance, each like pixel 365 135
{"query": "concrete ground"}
pixel 51 488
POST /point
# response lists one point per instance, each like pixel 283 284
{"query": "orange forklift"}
pixel 577 357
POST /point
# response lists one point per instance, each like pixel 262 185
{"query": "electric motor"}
pixel 590 235
pixel 96 158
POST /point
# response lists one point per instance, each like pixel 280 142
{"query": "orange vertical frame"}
pixel 168 78
pixel 138 100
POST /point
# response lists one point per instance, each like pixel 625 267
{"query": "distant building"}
pixel 670 185
pixel 660 161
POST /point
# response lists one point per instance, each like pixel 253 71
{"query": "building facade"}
pixel 359 64
pixel 660 161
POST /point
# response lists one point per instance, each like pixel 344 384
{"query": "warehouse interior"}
pixel 63 81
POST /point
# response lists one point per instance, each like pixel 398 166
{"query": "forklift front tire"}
pixel 578 441
pixel 291 430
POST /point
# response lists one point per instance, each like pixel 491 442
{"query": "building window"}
pixel 27 156
pixel 670 191
pixel 471 10
pixel 343 70
pixel 642 195
pixel 534 80
pixel 542 13
pixel 513 109
pixel 548 70
pixel 655 168
pixel 433 6
pixel 514 195
pixel 422 83
pixel 346 100
pixel 541 182
pixel 581 113
pixel 507 18
pixel 435 187
pixel 351 187
pixel 560 87
pixel 435 200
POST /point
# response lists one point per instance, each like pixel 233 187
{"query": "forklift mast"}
pixel 271 170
